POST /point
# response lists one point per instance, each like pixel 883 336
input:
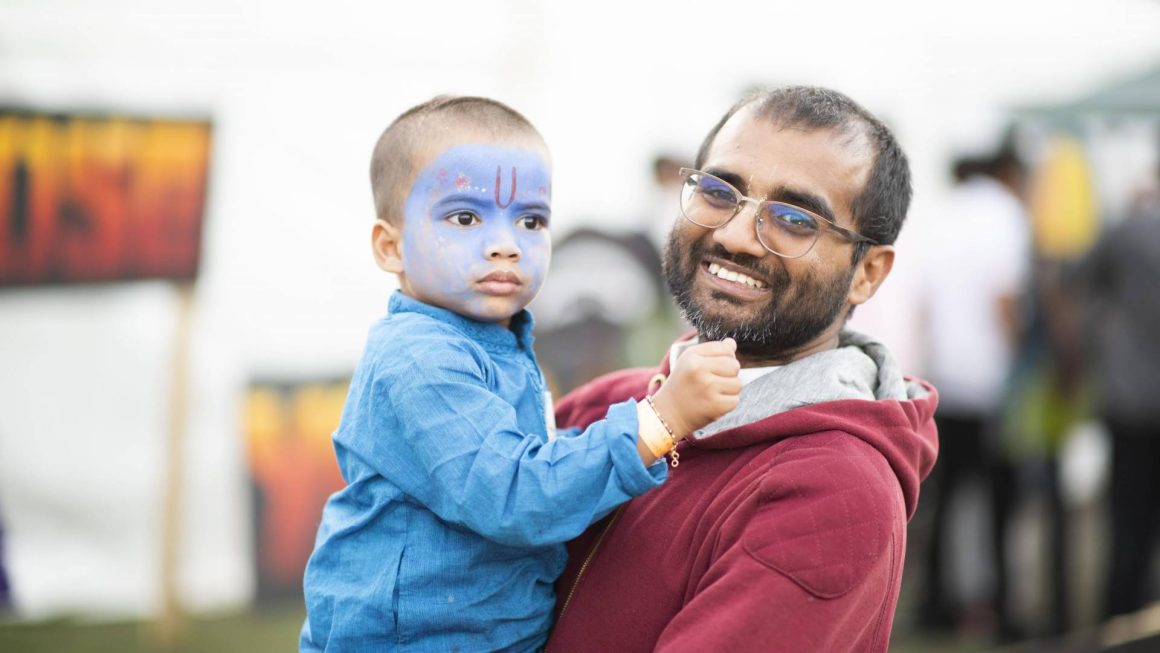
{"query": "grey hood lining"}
pixel 858 368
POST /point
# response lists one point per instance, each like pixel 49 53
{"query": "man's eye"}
pixel 532 222
pixel 721 195
pixel 464 219
pixel 717 194
pixel 792 219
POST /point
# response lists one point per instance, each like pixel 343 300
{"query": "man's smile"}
pixel 735 281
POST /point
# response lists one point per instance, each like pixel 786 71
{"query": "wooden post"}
pixel 171 621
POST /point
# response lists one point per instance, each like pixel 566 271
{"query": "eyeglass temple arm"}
pixel 852 236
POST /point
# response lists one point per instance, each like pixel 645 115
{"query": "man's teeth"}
pixel 735 277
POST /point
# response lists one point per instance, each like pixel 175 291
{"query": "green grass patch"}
pixel 258 631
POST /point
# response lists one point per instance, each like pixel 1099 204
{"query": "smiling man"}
pixel 784 526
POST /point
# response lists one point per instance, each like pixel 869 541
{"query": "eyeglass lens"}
pixel 782 228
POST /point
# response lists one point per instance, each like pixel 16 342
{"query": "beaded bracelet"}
pixel 674 457
pixel 652 431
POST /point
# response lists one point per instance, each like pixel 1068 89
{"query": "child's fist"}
pixel 703 386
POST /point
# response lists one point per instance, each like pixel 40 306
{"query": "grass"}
pixel 275 629
pixel 257 631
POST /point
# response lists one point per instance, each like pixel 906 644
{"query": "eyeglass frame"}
pixel 850 235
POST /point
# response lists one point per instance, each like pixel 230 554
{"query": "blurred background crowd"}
pixel 186 282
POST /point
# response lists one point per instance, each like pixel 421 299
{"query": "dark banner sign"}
pixel 293 472
pixel 100 198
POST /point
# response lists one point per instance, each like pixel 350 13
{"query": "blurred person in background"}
pixel 977 269
pixel 1121 277
pixel 4 600
pixel 1047 394
pixel 664 197
pixel 605 295
pixel 784 526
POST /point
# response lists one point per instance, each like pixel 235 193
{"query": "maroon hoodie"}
pixel 784 534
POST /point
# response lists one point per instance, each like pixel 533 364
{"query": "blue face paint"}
pixel 475 231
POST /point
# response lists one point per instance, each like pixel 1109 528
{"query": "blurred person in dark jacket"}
pixel 1122 274
pixel 4 599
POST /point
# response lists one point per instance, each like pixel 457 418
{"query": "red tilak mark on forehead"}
pixel 511 195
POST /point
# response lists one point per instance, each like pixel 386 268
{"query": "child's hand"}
pixel 701 388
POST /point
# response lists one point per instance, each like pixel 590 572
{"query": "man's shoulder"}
pixel 590 401
pixel 821 463
pixel 827 509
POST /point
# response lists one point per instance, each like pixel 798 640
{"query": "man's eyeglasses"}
pixel 784 229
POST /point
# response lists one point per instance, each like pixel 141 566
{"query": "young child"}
pixel 448 536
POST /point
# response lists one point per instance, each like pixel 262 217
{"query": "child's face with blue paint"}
pixel 475 230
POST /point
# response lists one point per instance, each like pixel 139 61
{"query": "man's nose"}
pixel 739 235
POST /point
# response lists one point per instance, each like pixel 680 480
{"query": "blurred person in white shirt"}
pixel 977 267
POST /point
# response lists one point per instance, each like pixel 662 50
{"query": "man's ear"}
pixel 870 272
pixel 387 243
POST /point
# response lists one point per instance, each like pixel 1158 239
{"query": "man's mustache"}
pixel 746 261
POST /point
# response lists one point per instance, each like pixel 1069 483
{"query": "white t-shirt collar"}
pixel 747 374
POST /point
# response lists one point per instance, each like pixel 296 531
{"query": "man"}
pixel 782 526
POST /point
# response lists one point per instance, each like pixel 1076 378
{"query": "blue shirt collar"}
pixel 485 333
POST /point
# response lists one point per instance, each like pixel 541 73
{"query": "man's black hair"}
pixel 880 209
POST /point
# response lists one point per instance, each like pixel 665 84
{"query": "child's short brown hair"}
pixel 393 162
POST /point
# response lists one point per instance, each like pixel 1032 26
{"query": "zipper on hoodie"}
pixel 584 565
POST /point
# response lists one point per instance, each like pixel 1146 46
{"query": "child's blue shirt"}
pixel 449 534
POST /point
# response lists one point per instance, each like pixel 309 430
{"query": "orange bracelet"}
pixel 674 457
pixel 652 430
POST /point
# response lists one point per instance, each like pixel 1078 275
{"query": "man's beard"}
pixel 779 328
